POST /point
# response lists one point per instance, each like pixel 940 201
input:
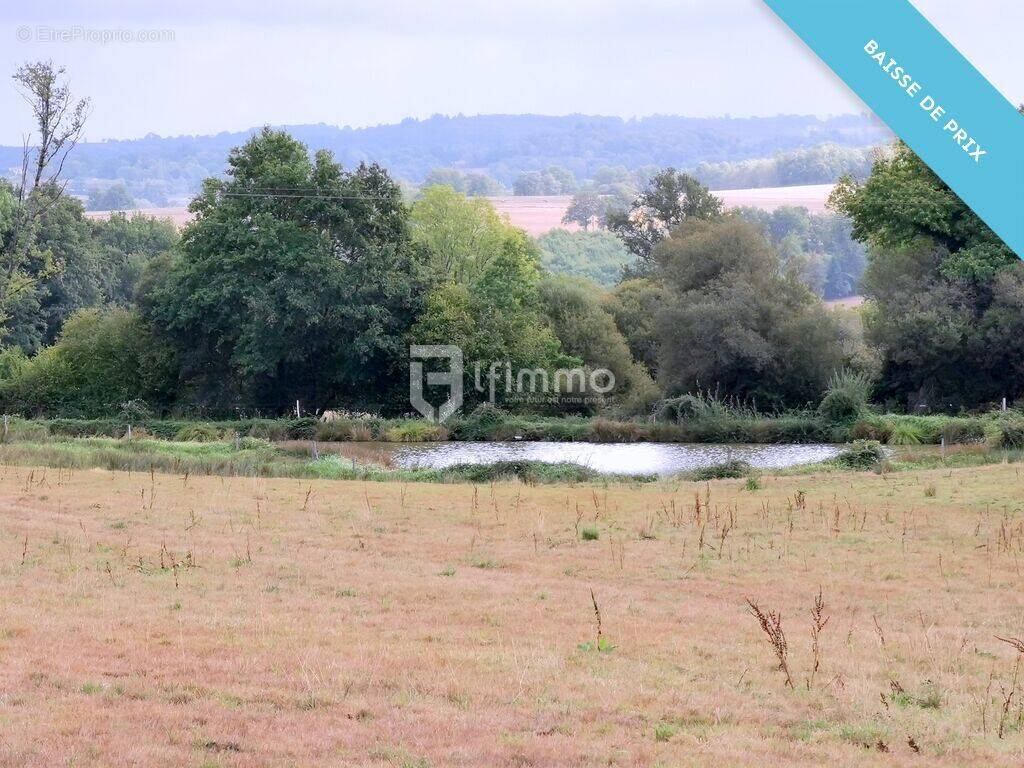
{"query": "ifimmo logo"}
pixel 452 378
pixel 564 387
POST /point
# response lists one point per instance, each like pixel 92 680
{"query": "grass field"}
pixel 164 620
pixel 539 214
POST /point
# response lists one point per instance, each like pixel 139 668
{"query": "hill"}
pixel 165 170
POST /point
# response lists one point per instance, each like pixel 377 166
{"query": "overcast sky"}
pixel 234 64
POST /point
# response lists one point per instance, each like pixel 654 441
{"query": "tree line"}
pixel 300 280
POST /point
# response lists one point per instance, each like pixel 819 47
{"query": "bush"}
pixel 846 398
pixel 963 431
pixel 198 433
pixel 482 424
pixel 879 431
pixel 862 454
pixel 530 472
pixel 729 469
pixel 416 432
pixel 905 433
pixel 103 358
pixel 604 431
pixel 302 429
pixel 1005 432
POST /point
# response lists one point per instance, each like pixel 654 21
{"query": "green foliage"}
pixel 733 468
pixel 947 294
pixel 553 180
pixel 597 256
pixel 461 235
pixel 668 200
pixel 823 164
pixel 634 304
pixel 416 432
pixel 493 310
pixel 590 533
pixel 101 360
pixel 905 433
pixel 847 396
pixel 818 249
pixel 198 433
pixel 731 320
pixel 588 331
pixel 268 285
pixel 529 472
pixel 862 454
pixel 1006 431
pixel 470 184
pixel 114 197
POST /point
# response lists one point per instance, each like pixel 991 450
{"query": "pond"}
pixel 609 458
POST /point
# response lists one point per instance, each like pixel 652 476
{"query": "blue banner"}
pixel 930 96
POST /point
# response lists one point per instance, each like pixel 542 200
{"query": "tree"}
pixel 635 303
pixel 471 184
pixel 460 235
pixel 668 200
pixel 101 360
pixel 551 181
pixel 734 322
pixel 587 330
pixel 59 121
pixel 296 280
pixel 596 256
pixel 112 198
pixel 935 280
pixel 126 244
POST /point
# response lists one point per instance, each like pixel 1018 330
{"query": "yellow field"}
pixel 169 621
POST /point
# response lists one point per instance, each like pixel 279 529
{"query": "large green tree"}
pixel 940 285
pixel 733 321
pixel 297 281
pixel 668 200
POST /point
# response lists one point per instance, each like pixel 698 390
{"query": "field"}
pixel 170 620
pixel 539 214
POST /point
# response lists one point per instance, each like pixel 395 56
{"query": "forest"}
pixel 496 149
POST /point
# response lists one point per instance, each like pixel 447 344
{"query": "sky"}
pixel 228 65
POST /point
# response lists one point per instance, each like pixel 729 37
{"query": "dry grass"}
pixel 158 621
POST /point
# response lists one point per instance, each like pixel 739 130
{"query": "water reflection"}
pixel 611 458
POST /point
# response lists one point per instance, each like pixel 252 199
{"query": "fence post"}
pixel 7 426
pixel 313 450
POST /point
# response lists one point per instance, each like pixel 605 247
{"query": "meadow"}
pixel 173 619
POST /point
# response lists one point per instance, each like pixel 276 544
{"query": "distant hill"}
pixel 161 170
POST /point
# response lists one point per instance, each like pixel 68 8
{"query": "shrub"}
pixel 416 432
pixel 905 433
pixel 268 429
pixel 482 424
pixel 302 429
pixel 22 430
pixel 198 433
pixel 862 454
pixel 871 430
pixel 847 397
pixel 1005 432
pixel 963 431
pixel 530 472
pixel 604 431
pixel 729 469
